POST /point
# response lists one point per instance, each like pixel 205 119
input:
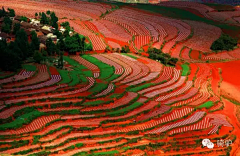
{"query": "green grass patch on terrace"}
pixel 75 78
pixel 64 76
pixel 87 73
pixel 113 77
pixel 74 64
pixel 106 71
pixel 98 88
pixel 105 153
pixel 23 119
pixel 206 105
pixel 138 88
pixel 98 102
pixel 129 55
pixel 29 67
pixel 83 78
pixel 186 69
pixel 126 109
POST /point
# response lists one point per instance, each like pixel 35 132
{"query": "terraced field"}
pixel 113 103
pixel 110 114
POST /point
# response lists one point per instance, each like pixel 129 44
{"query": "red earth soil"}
pixel 193 71
pixel 194 54
pixel 230 86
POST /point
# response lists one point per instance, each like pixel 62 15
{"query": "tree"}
pixel 7 20
pixel 65 24
pixel 35 41
pixel 3 12
pixel 50 46
pixel 59 34
pixel 54 20
pixel 125 49
pixel 60 61
pixel 9 60
pixel 48 12
pixel 44 19
pixel 16 28
pixel 22 42
pixel 6 28
pixel 73 43
pixel 225 42
pixel 66 33
pixel 11 12
pixel 37 56
pixel 36 14
pixel 172 61
pixel 61 44
pixel 24 18
pixel 83 44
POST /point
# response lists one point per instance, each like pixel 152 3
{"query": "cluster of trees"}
pixel 4 13
pixel 48 18
pixel 125 49
pixel 166 59
pixel 15 52
pixel 225 42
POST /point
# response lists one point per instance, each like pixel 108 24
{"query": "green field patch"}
pixel 74 64
pixel 107 73
pixel 113 77
pixel 129 55
pixel 87 73
pixel 75 78
pixel 29 67
pixel 105 153
pixel 98 102
pixel 186 69
pixel 79 145
pixel 98 88
pixel 138 88
pixel 206 105
pixel 23 119
pixel 65 78
pixel 105 70
pixel 83 78
pixel 126 109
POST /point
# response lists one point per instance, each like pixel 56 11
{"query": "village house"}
pixel 34 22
pixel 42 39
pixel 46 28
pixel 62 29
pixel 53 37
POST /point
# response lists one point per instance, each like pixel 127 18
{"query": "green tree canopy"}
pixel 37 56
pixel 225 42
pixel 24 18
pixel 9 60
pixel 50 46
pixel 22 42
pixel 11 12
pixel 44 19
pixel 35 41
pixel 16 28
